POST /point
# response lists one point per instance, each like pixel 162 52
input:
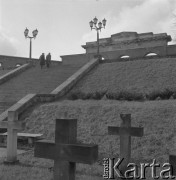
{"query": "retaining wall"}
pixel 161 51
pixel 71 81
pixel 11 62
pixel 75 59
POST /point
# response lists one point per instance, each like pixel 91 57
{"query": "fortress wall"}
pixel 126 46
pixel 10 62
pixel 111 55
pixel 75 59
pixel 134 53
pixel 171 50
pixel 14 73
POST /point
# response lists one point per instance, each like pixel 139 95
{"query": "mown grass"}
pixel 31 168
pixel 135 79
pixel 157 118
pixel 143 76
pixel 2 72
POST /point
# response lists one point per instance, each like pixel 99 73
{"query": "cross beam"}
pixel 130 131
pixel 65 151
pixel 125 131
pixel 79 153
pixel 12 122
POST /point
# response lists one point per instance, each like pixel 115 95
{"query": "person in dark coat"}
pixel 48 60
pixel 42 60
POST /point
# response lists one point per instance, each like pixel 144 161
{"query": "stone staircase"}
pixel 34 80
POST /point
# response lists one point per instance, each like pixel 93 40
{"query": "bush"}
pixel 111 95
pixel 165 94
pixel 80 95
pixel 98 95
pixel 76 95
pixel 124 95
pixel 153 95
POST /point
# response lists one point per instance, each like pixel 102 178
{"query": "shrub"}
pixel 80 95
pixel 76 95
pixel 98 95
pixel 111 95
pixel 130 96
pixel 87 96
pixel 165 94
pixel 153 95
pixel 125 95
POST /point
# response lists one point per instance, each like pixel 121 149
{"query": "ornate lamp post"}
pixel 93 25
pixel 34 33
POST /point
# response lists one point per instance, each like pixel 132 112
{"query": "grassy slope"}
pixel 139 76
pixel 157 118
pixel 2 72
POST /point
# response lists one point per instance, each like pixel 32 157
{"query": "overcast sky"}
pixel 63 25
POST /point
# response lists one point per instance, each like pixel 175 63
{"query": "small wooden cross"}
pixel 172 162
pixel 125 131
pixel 12 125
pixel 66 152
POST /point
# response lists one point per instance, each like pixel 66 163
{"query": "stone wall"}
pixel 121 44
pixel 14 73
pixel 11 62
pixel 135 53
pixel 126 46
pixel 161 51
pixel 171 50
pixel 76 59
pixel 128 40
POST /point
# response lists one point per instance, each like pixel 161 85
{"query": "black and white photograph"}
pixel 87 89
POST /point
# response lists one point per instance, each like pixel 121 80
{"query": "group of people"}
pixel 44 61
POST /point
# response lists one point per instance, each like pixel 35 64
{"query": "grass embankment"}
pixel 2 72
pixel 157 118
pixel 143 76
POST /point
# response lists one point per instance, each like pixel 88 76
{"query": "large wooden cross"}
pixel 125 131
pixel 13 126
pixel 66 152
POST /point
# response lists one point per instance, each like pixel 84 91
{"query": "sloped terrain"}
pixel 94 117
pixel 157 118
pixel 2 72
pixel 142 76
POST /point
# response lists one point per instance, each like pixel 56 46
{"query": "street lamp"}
pixel 34 33
pixel 93 25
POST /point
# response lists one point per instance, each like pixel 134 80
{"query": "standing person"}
pixel 48 60
pixel 42 60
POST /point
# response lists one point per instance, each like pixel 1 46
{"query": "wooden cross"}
pixel 125 131
pixel 65 151
pixel 172 162
pixel 12 125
